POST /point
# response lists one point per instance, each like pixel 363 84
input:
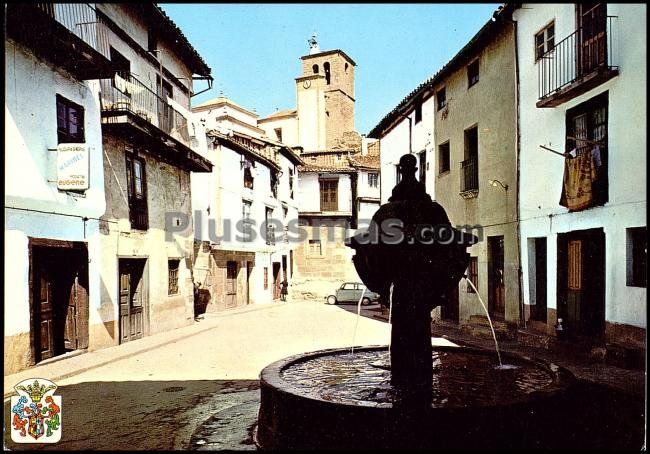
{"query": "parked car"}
pixel 350 292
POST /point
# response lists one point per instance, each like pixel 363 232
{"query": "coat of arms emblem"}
pixel 35 412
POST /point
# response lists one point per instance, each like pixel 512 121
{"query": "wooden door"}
pixel 592 42
pixel 132 299
pixel 60 297
pixel 496 284
pixel 581 277
pixel 538 311
pixel 231 284
pixel 45 313
pixel 276 280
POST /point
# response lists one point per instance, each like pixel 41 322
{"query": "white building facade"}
pixel 585 261
pixel 245 208
pixel 52 255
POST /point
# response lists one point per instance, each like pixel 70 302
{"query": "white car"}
pixel 350 292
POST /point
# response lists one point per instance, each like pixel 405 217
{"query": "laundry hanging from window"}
pixel 581 169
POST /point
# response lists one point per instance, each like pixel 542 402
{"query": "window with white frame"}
pixel 544 40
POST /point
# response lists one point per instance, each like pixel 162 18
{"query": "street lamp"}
pixel 497 183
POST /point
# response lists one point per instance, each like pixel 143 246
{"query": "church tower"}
pixel 325 98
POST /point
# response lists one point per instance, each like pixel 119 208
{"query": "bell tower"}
pixel 325 95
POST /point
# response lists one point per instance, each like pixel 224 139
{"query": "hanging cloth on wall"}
pixel 579 176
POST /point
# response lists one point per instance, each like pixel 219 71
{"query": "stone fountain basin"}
pixel 332 399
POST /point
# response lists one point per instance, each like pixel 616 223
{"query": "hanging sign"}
pixel 72 166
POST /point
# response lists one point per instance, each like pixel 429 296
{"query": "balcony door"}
pixel 329 194
pixel 592 40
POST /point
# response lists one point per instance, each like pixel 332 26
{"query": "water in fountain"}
pixel 496 344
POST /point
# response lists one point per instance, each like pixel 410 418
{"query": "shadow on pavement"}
pixel 147 415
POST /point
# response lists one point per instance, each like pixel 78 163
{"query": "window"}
pixel 247 225
pixel 315 247
pixel 544 40
pixel 329 195
pixel 270 229
pixel 315 69
pixel 291 183
pixel 136 182
pixel 248 173
pixel 373 180
pixel 278 134
pixel 69 121
pixel 444 164
pixel 472 273
pixel 472 73
pixel 266 278
pixel 152 42
pixel 326 67
pixel 441 98
pixel 470 164
pixel 637 257
pixel 418 111
pixel 586 126
pixel 121 64
pixel 172 276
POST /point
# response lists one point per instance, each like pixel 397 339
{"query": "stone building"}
pixel 462 126
pixel 54 182
pixel 335 166
pixel 146 232
pixel 97 157
pixel 582 91
pixel 244 208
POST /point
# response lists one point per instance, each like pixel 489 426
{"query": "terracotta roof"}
pixel 326 162
pixel 329 52
pixel 482 36
pixel 280 113
pixel 366 162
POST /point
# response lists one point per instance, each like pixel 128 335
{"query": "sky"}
pixel 254 50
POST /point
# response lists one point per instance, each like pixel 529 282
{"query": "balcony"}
pixel 68 35
pixel 580 62
pixel 469 174
pixel 129 105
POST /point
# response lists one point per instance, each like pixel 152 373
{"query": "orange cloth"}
pixel 579 176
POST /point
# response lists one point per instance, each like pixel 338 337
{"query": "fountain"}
pixel 409 395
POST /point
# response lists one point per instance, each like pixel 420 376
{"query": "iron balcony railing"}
pixel 82 20
pixel 584 51
pixel 469 168
pixel 125 93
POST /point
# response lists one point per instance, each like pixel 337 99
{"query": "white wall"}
pixel 289 126
pixel 309 193
pixel 541 172
pixel 31 173
pixel 363 188
pixel 395 144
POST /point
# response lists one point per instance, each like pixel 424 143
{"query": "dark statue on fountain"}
pixel 411 246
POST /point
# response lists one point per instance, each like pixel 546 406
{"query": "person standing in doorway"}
pixel 284 289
